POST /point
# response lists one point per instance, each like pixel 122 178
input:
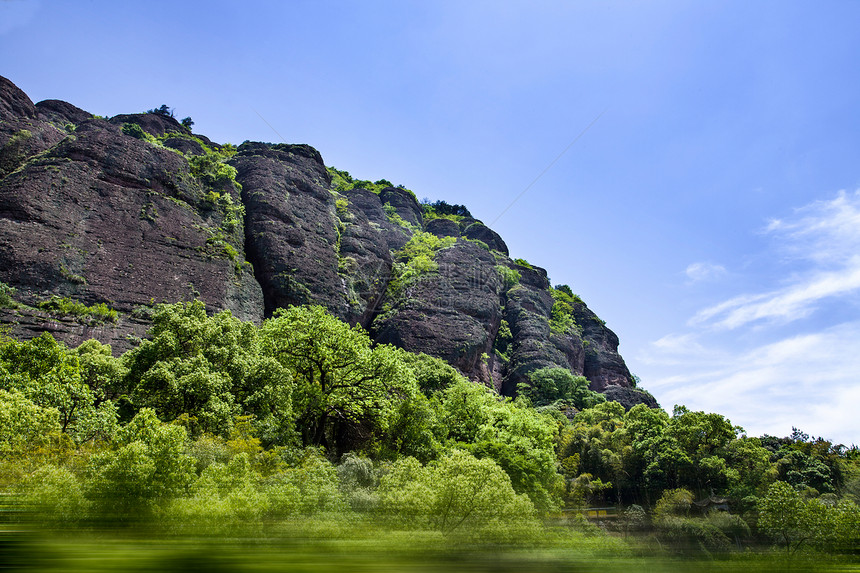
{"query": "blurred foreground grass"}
pixel 360 547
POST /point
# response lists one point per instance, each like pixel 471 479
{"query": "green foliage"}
pixel 442 209
pixel 15 151
pixel 812 464
pixel 64 306
pixel 342 206
pixel 673 502
pixel 137 132
pixel 552 383
pixel 223 493
pixel 210 369
pixel 342 382
pixel 394 217
pixel 426 451
pixel 164 110
pixel 510 277
pixel 358 480
pixel 504 338
pixel 6 294
pixel 523 263
pixel 211 169
pixel 23 424
pixel 187 122
pixel 432 374
pixel 584 490
pixel 52 377
pixel 458 495
pixel 792 521
pixel 342 181
pixel 310 487
pixel 54 495
pixel 513 434
pixel 147 467
pixel 415 259
pixel 561 317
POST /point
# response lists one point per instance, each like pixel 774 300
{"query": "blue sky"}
pixel 710 214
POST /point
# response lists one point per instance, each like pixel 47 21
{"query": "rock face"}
pixel 136 210
pixel 453 313
pixel 103 217
pixel 291 233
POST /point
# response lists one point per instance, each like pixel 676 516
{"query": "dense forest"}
pixel 211 424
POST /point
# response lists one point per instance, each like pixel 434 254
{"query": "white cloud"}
pixel 824 234
pixel 703 271
pixel 810 381
pixel 790 303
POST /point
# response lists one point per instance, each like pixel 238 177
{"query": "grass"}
pixel 319 546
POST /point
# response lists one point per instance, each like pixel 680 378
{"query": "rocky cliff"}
pixel 101 218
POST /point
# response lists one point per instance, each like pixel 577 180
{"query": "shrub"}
pixel 510 277
pixel 164 110
pixel 24 424
pixel 554 383
pixel 6 294
pixel 55 495
pixel 459 494
pixel 211 170
pixel 440 209
pixel 523 263
pixel 134 130
pixel 561 317
pixel 416 259
pixel 64 306
pixel 149 466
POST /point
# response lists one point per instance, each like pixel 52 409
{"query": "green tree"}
pixel 148 467
pixel 51 376
pixel 210 369
pixel 786 517
pixel 552 383
pixel 23 424
pixel 309 487
pixel 346 389
pixel 163 110
pixel 519 439
pixel 459 493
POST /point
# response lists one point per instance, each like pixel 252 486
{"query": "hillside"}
pixel 101 218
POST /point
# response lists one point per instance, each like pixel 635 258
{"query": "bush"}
pixel 416 259
pixel 164 110
pixel 211 170
pixel 24 424
pixel 443 209
pixel 561 317
pixel 55 495
pixel 148 467
pixel 135 131
pixel 510 277
pixel 309 488
pixel 523 263
pixel 6 294
pixel 553 383
pixel 64 306
pixel 459 494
